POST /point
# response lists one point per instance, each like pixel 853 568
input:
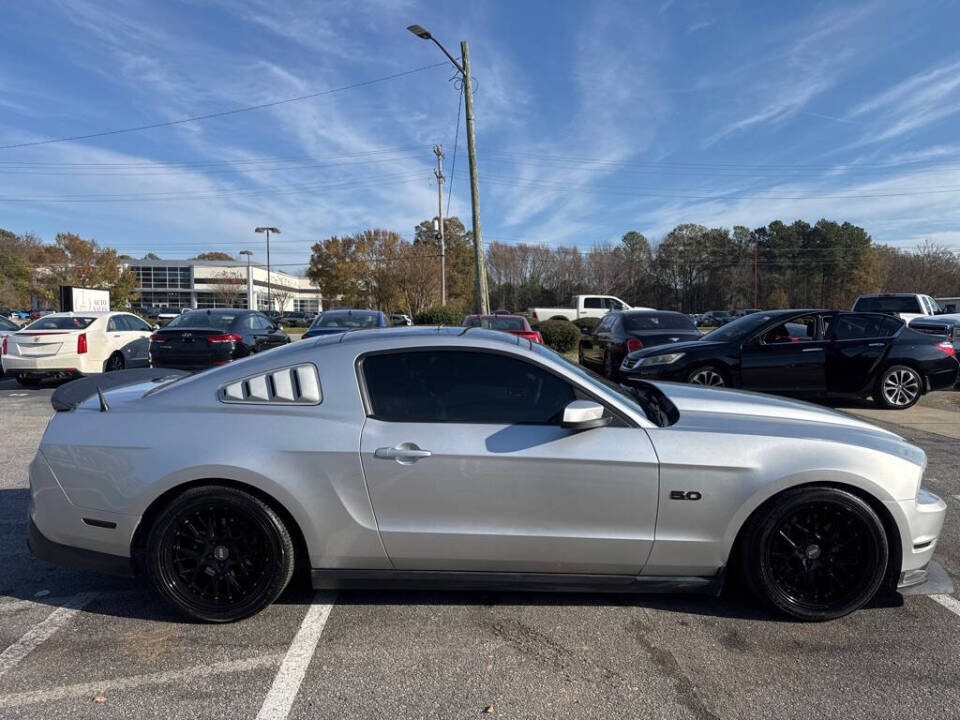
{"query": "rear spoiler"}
pixel 69 395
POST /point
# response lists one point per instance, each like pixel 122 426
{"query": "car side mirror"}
pixel 584 415
pixel 154 327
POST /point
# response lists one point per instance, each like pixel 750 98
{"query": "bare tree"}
pixel 227 288
pixel 281 294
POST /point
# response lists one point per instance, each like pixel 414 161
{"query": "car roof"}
pixel 90 313
pixel 221 311
pixel 407 333
pixel 350 311
pixel 650 312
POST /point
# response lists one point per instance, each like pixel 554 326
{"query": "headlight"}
pixel 660 359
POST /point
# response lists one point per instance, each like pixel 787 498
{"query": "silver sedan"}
pixel 452 457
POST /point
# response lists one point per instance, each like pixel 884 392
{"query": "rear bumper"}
pixel 46 549
pixel 169 358
pixel 62 362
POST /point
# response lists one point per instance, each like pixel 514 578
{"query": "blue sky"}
pixel 593 118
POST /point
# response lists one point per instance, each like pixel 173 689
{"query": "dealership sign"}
pixel 83 299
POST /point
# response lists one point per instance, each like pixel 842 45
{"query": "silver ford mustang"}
pixel 452 457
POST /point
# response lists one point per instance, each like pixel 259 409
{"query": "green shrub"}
pixel 560 335
pixel 440 315
pixel 587 322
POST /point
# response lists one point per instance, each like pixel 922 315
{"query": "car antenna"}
pixel 103 401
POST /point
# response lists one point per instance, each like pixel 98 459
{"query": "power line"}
pixel 223 113
pixel 456 140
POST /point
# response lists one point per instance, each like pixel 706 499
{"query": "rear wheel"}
pixel 219 554
pixel 114 362
pixel 898 387
pixel 707 375
pixel 816 554
pixel 609 371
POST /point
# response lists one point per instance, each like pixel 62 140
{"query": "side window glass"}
pixel 593 303
pixel 801 329
pixel 452 386
pixel 889 327
pixel 136 324
pixel 113 325
pixel 863 327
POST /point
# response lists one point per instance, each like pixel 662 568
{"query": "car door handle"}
pixel 876 344
pixel 404 451
pixel 813 350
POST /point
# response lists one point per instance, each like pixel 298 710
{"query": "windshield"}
pixel 740 328
pixel 346 320
pixel 906 304
pixel 220 321
pixel 61 322
pixel 495 323
pixel 662 321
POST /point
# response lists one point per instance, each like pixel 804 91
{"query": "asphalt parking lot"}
pixel 79 645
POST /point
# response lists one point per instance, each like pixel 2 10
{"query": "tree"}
pixel 151 256
pixel 458 242
pixel 71 260
pixel 215 255
pixel 280 295
pixel 15 271
pixel 227 288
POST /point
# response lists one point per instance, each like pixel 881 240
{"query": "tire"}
pixel 580 355
pixel 898 388
pixel 114 362
pixel 28 382
pixel 708 375
pixel 196 555
pixel 816 553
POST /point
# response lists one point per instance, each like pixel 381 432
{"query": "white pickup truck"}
pixel 581 306
pixel 905 306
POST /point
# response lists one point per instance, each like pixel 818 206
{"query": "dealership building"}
pixel 209 284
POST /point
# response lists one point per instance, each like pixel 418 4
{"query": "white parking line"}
pixel 90 689
pixel 286 684
pixel 39 633
pixel 948 601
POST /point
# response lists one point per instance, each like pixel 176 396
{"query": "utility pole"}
pixel 756 274
pixel 481 293
pixel 438 151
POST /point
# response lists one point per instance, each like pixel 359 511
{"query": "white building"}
pixel 208 284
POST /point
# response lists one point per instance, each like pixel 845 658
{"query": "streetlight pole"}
pixel 482 294
pixel 268 230
pixel 249 280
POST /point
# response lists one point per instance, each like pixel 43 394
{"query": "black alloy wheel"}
pixel 817 554
pixel 219 554
pixel 114 362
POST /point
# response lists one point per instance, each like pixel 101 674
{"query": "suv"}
pixel 905 306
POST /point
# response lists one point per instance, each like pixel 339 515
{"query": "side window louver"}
pixel 297 385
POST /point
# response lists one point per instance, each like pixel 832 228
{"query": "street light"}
pixel 268 230
pixel 482 296
pixel 249 283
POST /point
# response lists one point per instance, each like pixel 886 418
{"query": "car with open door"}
pixel 439 457
pixel 809 353
pixel 619 333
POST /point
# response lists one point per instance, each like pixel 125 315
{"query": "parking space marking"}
pixel 286 685
pixel 948 601
pixel 34 637
pixel 98 687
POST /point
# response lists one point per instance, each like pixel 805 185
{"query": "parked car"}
pixel 330 322
pixel 6 328
pixel 716 318
pixel 466 459
pixel 75 343
pixel 810 353
pixel 621 332
pixel 203 338
pixel 905 306
pixel 745 311
pixel 298 319
pixel 401 318
pixel 513 324
pixel 947 326
pixel 37 314
pixel 580 306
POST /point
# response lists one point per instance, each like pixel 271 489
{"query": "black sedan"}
pixel 203 338
pixel 809 352
pixel 621 332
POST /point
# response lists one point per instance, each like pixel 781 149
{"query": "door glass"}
pixel 862 327
pixel 593 303
pixel 801 329
pixel 113 324
pixel 454 386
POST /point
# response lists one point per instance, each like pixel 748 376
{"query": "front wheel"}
pixel 816 554
pixel 219 554
pixel 898 387
pixel 707 375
